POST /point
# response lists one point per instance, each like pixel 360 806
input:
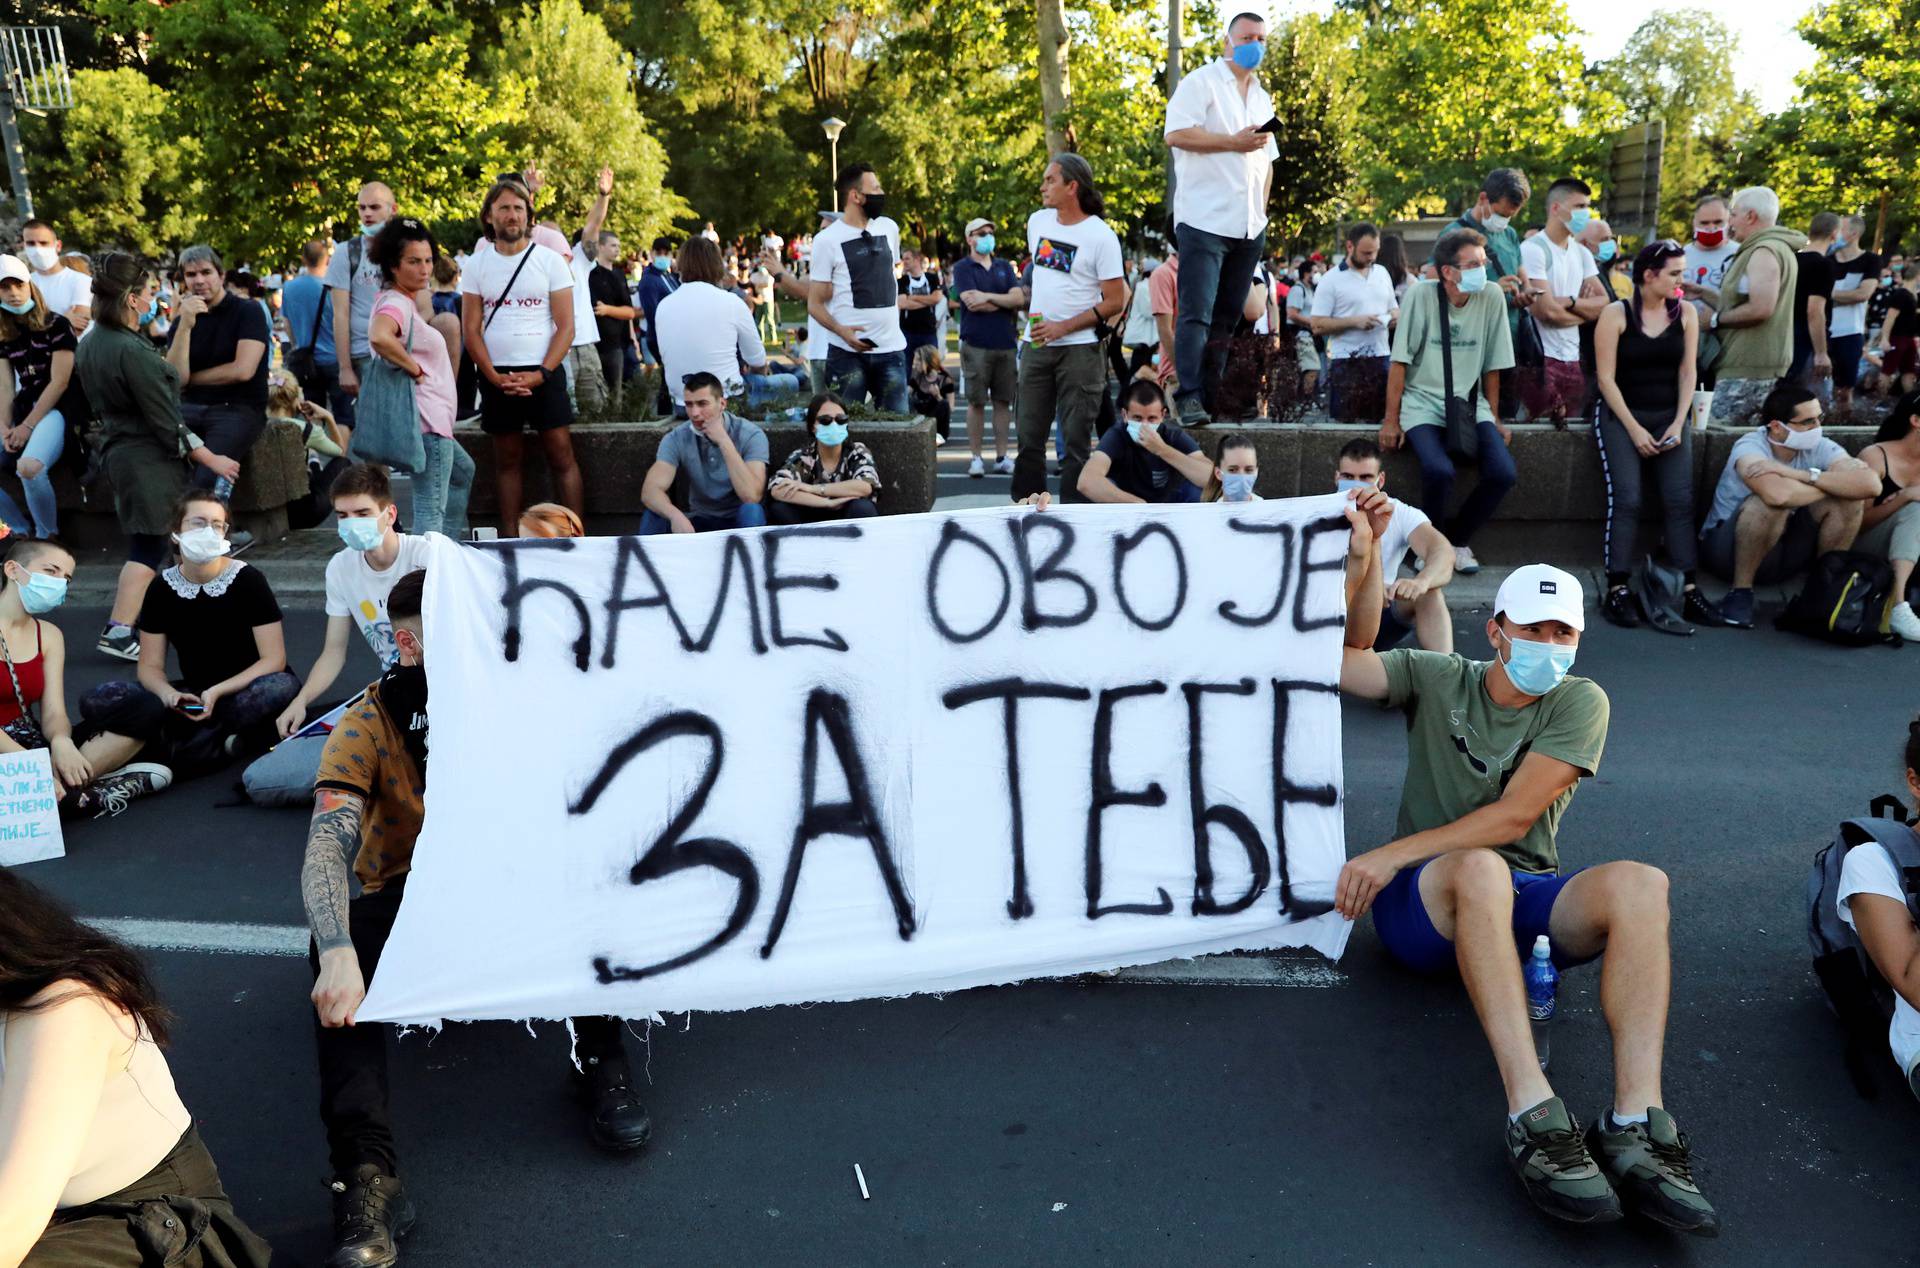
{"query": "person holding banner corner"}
pixel 369 808
pixel 1495 751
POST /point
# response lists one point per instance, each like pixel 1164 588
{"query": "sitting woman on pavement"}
pixel 93 767
pixel 100 1163
pixel 831 478
pixel 1890 526
pixel 1236 469
pixel 220 616
pixel 38 346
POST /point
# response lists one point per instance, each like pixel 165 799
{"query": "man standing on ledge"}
pixel 1223 169
pixel 1495 750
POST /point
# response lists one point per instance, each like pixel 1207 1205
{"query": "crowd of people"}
pixel 376 349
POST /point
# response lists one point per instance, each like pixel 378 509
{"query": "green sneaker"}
pixel 1546 1151
pixel 1650 1164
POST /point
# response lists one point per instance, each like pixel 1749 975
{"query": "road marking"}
pixel 224 938
pixel 207 935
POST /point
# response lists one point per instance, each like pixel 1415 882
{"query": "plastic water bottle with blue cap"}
pixel 223 489
pixel 1542 980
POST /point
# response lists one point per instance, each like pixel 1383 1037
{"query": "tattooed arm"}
pixel 332 840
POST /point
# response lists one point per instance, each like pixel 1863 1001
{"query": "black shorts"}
pixel 545 409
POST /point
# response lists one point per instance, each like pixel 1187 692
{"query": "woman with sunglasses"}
pixel 831 478
pixel 1644 358
pixel 221 618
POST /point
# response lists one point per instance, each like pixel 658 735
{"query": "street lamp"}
pixel 832 127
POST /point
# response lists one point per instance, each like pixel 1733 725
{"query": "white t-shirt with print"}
pixel 1869 869
pixel 1406 521
pixel 859 263
pixel 1565 270
pixel 1069 264
pixel 1350 293
pixel 519 335
pixel 354 589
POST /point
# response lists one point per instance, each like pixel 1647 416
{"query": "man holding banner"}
pixel 368 812
pixel 1495 749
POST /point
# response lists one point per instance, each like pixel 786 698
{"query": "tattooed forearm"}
pixel 333 839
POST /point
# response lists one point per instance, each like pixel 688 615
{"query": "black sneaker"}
pixel 616 1120
pixel 1620 607
pixel 113 792
pixel 1652 1168
pixel 371 1211
pixel 1736 610
pixel 1701 610
pixel 1545 1150
pixel 1193 414
pixel 120 642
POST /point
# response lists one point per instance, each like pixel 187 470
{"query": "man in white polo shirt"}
pixel 1353 308
pixel 1223 169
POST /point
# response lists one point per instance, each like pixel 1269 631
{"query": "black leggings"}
pixel 190 747
pixel 1626 473
pixel 148 549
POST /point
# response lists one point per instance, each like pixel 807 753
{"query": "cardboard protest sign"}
pixel 29 809
pixel 865 759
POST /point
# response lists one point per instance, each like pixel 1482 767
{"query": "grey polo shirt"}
pixel 710 490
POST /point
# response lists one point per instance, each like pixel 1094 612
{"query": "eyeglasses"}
pixel 196 522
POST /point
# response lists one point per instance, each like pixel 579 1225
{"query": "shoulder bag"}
pixel 386 420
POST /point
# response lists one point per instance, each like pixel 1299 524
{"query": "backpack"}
pixel 1859 996
pixel 1846 600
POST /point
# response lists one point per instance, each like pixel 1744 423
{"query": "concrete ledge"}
pixel 614 458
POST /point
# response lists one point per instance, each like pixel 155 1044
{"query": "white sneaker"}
pixel 1904 622
pixel 977 468
pixel 1463 560
pixel 939 441
pixel 1004 465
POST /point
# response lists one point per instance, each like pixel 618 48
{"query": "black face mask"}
pixel 403 692
pixel 875 205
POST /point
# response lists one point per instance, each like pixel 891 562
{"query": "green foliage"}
pixel 1457 87
pixel 110 172
pixel 1316 98
pixel 569 110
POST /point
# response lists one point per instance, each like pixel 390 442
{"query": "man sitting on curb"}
pixel 1145 458
pixel 1415 605
pixel 1786 496
pixel 1495 750
pixel 726 462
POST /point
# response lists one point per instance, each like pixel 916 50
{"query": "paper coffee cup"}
pixel 1702 409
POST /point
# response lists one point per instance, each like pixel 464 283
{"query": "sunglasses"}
pixel 829 418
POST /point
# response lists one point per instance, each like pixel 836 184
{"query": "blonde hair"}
pixel 283 396
pixel 34 319
pixel 550 519
pixel 926 357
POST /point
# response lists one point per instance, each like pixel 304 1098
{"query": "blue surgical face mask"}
pixel 1473 280
pixel 1249 56
pixel 367 231
pixel 1579 218
pixel 831 433
pixel 1348 486
pixel 1606 251
pixel 663 262
pixel 1237 486
pixel 153 310
pixel 1839 244
pixel 40 593
pixel 984 244
pixel 1536 668
pixel 362 532
pixel 19 310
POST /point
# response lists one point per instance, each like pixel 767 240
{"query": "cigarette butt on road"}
pixel 862 1178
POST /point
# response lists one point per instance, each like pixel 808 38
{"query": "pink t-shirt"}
pixel 433 395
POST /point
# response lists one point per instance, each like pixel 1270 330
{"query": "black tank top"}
pixel 1647 370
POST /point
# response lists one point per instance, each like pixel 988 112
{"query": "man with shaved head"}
pixel 355 281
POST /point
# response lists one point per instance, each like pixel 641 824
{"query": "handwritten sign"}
pixel 851 760
pixel 29 809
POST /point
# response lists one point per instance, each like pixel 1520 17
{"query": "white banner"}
pixel 29 809
pixel 841 761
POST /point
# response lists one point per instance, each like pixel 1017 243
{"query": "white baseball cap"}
pixel 14 269
pixel 1542 592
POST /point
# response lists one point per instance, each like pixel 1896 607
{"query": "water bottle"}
pixel 1541 978
pixel 223 489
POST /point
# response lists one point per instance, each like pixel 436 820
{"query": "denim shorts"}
pixel 1401 920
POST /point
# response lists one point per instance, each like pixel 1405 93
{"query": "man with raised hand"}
pixel 1472 878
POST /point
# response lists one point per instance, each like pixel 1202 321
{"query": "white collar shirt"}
pixel 1220 193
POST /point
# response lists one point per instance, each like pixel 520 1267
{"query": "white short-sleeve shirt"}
pixel 1565 270
pixel 701 327
pixel 519 335
pixel 1348 292
pixel 1406 521
pixel 1069 264
pixel 859 264
pixel 1869 869
pixel 585 328
pixel 65 290
pixel 356 589
pixel 1222 192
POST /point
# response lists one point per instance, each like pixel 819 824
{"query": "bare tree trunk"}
pixel 1056 92
pixel 1176 21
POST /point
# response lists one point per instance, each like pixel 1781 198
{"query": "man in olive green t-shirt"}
pixel 1495 750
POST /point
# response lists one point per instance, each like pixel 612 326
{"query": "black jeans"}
pixel 353 1059
pixel 1215 274
pixel 190 747
pixel 1626 473
pixel 228 430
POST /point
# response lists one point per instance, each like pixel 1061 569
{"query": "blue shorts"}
pixel 1401 920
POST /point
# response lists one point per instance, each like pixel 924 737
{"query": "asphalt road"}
pixel 1119 1123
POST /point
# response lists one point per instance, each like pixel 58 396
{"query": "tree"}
pixel 1317 102
pixel 1457 87
pixel 569 110
pixel 1678 67
pixel 1056 86
pixel 109 172
pixel 294 105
